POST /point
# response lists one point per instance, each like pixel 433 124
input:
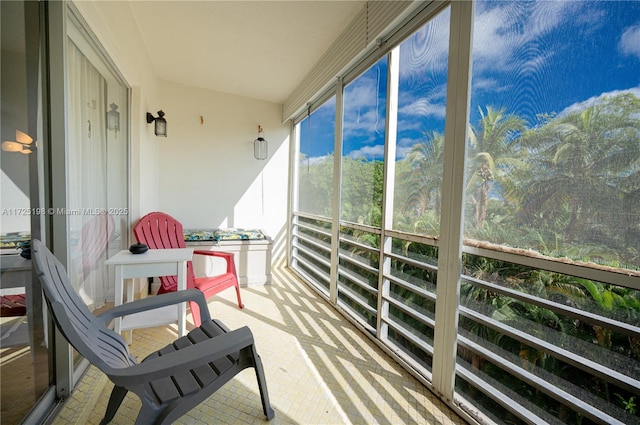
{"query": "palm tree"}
pixel 490 155
pixel 585 163
pixel 426 159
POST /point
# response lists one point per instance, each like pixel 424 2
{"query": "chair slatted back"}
pixel 161 231
pixel 85 332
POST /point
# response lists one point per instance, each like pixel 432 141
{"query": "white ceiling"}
pixel 259 49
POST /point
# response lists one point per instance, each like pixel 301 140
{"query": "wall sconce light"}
pixel 260 146
pixel 113 118
pixel 23 144
pixel 160 123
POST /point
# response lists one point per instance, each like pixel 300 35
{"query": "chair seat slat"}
pixel 165 389
pixel 205 375
pixel 186 383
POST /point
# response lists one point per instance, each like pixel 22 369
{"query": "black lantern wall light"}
pixel 113 118
pixel 160 123
pixel 260 146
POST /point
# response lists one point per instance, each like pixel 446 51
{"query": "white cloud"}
pixel 405 142
pixel 424 108
pixel 486 84
pixel 427 50
pixel 630 41
pixel 410 124
pixel 503 29
pixel 363 112
pixel 581 106
pixel 314 160
pixel 492 43
pixel 368 152
pixel 401 151
pixel 362 92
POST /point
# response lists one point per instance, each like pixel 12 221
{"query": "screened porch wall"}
pixel 540 314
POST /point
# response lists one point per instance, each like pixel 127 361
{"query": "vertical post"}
pixel 393 81
pixel 182 307
pixel 294 175
pixel 57 148
pixel 337 173
pixel 452 217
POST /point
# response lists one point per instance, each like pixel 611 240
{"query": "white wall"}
pixel 208 175
pixel 202 174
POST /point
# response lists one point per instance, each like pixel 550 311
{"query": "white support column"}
pixel 294 175
pixel 337 174
pixel 393 78
pixel 452 216
pixel 57 189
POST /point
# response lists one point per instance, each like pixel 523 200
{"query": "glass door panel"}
pixel 24 353
pixel 97 197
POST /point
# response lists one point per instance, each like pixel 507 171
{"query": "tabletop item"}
pixel 138 248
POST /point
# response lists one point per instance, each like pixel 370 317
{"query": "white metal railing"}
pixel 412 312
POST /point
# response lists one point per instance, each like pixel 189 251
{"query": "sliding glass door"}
pixel 96 173
pixel 24 345
pixel 64 181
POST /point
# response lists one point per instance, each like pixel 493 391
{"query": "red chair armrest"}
pixel 227 256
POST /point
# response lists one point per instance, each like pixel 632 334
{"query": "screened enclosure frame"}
pixel 315 252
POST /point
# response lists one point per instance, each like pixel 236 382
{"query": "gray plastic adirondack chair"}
pixel 171 381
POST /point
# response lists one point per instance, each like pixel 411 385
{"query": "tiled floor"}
pixel 319 369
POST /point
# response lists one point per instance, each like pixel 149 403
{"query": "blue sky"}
pixel 529 57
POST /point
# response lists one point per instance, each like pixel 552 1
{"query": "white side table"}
pixel 153 263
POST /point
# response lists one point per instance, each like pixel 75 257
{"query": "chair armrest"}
pixel 184 359
pixel 157 301
pixel 227 256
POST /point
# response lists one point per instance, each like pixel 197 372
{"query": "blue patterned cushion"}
pixel 14 239
pixel 191 235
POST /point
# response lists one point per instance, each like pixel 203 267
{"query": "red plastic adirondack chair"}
pixel 161 231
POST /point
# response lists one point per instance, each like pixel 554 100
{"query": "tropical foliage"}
pixel 566 187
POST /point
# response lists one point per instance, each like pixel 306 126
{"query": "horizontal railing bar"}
pixel 496 395
pixel 312 254
pixel 357 260
pixel 357 299
pixel 361 227
pixel 348 239
pixel 356 279
pixel 312 217
pixel 569 311
pixel 422 318
pixel 305 264
pixel 312 281
pixel 411 261
pixel 411 287
pixel 427 348
pixel 411 237
pixel 539 383
pixel 557 266
pixel 311 228
pixel 323 246
pixel 609 375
